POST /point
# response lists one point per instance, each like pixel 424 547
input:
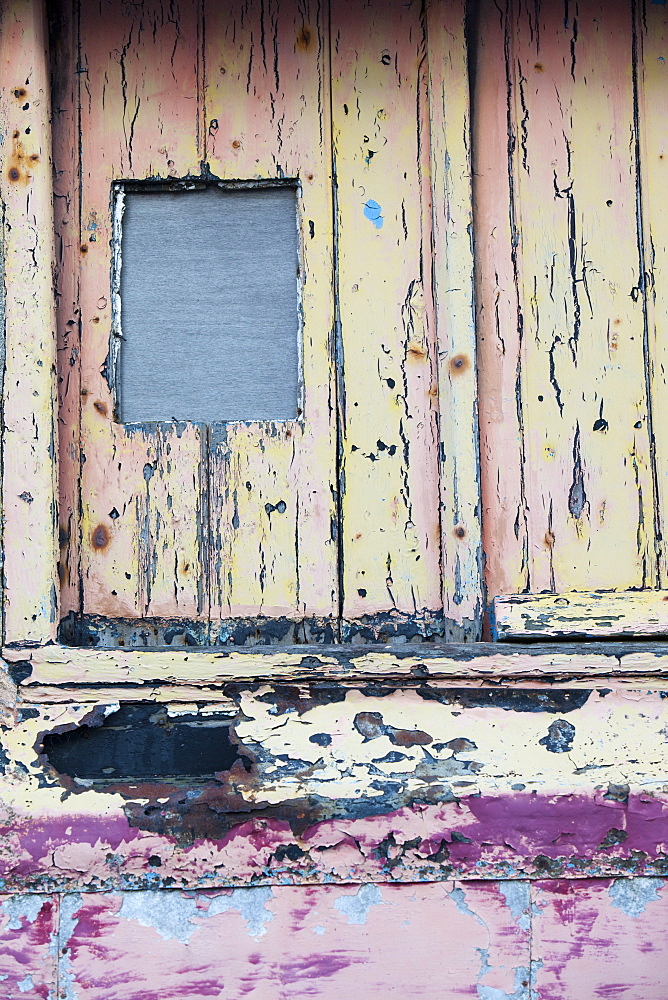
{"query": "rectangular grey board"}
pixel 209 305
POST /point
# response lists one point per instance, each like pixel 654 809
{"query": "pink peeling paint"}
pixel 511 940
pixel 296 942
pixel 588 945
pixel 506 836
pixel 27 957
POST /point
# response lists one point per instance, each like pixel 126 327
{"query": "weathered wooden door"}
pixel 320 527
pixel 186 814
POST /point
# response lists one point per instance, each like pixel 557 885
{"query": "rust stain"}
pixel 100 537
pixel 459 364
pixel 303 38
pixel 417 350
pixel 20 162
pixel 460 531
pixel 101 407
pixel 370 725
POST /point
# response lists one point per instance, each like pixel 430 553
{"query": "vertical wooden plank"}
pixel 586 462
pixel 455 317
pixel 390 502
pixel 273 484
pixel 29 434
pixel 66 180
pixel 651 29
pixel 502 458
pixel 144 514
pixel 588 936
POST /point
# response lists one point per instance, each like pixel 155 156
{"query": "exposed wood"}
pixel 70 670
pixel 390 502
pixel 596 615
pixel 209 278
pixel 273 484
pixel 455 318
pixel 576 357
pixel 29 434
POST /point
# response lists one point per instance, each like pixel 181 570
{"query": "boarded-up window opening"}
pixel 208 310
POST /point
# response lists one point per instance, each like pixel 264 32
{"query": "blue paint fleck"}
pixel 661 3
pixel 372 212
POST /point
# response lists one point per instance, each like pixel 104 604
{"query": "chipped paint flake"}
pixel 522 990
pixel 171 914
pixel 356 908
pixel 518 900
pixel 251 904
pixel 633 895
pixel 18 908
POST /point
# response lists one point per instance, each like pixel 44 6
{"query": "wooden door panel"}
pixel 176 515
pixel 390 503
pixel 141 486
pixel 273 484
pixel 571 413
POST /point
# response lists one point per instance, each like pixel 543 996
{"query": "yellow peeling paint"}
pixel 615 739
pixel 455 318
pixel 632 614
pixel 390 507
pixel 28 444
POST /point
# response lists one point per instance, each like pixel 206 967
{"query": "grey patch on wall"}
pixel 209 303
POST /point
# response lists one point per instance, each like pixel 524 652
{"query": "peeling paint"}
pixel 169 913
pixel 522 989
pixel 356 908
pixel 176 916
pixel 459 896
pixel 518 900
pixel 251 904
pixel 633 895
pixel 18 907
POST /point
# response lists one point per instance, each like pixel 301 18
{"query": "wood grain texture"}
pixel 651 52
pixel 143 538
pixel 273 484
pixel 389 393
pixel 449 116
pixel 499 333
pixel 57 670
pixel 29 434
pixel 596 615
pixel 66 183
pixel 587 938
pixel 575 357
